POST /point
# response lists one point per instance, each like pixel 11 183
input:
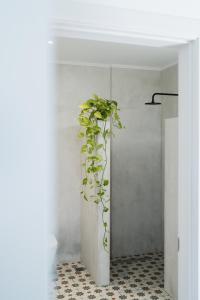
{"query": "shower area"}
pixel 142 260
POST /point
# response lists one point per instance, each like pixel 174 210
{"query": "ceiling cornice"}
pixel 98 22
pixel 92 31
pixel 119 66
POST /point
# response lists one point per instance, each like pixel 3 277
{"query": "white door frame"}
pixel 189 130
pixel 188 200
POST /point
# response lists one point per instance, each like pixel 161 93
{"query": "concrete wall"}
pixel 136 159
pixel 136 165
pixel 169 83
pixel 74 85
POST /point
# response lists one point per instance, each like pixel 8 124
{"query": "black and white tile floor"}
pixel 138 277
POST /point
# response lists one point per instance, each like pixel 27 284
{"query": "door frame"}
pixel 188 143
pixel 188 171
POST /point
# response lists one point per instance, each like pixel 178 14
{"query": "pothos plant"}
pixel 93 118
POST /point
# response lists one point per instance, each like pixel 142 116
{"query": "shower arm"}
pixel 162 94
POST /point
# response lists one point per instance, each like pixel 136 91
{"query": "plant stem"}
pixel 101 186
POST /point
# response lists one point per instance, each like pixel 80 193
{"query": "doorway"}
pixel 139 79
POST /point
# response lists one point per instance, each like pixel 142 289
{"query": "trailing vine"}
pixel 93 118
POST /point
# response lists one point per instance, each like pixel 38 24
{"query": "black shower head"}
pixel 153 103
pixel 159 94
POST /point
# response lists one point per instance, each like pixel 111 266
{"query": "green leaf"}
pixel 85 105
pixel 116 116
pixel 114 103
pixel 89 131
pixel 81 135
pixel 84 121
pixel 96 130
pixel 105 182
pixel 94 169
pixel 84 149
pixel 84 182
pixel 90 150
pixel 97 201
pixel 93 110
pixel 120 124
pixel 106 133
pixel 85 197
pixel 99 168
pixel 97 158
pixel 98 115
pixel 91 142
pixel 99 146
pixel 101 193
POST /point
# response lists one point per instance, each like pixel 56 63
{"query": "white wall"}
pixel 170 7
pixel 118 23
pixel 171 207
pixel 136 155
pixel 169 84
pixel 26 150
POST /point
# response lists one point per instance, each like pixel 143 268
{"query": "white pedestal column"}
pixel 93 255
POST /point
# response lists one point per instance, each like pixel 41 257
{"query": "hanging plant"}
pixel 94 117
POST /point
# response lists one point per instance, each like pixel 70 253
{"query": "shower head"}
pixel 160 94
pixel 153 103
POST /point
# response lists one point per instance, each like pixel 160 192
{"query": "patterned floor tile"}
pixel 139 277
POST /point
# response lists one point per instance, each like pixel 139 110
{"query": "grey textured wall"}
pixel 169 83
pixel 136 159
pixel 136 165
pixel 74 84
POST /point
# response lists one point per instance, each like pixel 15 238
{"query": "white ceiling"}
pixel 189 9
pixel 97 52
